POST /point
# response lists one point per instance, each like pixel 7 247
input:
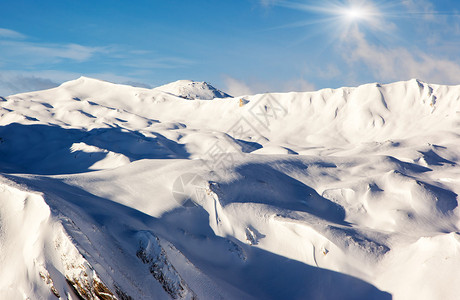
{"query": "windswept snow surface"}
pixel 115 192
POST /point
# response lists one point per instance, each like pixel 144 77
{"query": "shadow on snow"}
pixel 47 150
pixel 252 271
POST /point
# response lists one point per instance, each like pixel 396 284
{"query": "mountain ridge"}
pixel 339 193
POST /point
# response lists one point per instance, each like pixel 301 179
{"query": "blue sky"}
pixel 240 46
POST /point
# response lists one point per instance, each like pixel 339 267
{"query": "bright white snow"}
pixel 113 191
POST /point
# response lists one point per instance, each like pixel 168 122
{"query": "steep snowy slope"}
pixel 111 191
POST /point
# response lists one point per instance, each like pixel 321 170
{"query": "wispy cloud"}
pixel 20 83
pixel 68 51
pixel 16 49
pixel 398 63
pixel 39 53
pixel 437 28
pixel 237 87
pixel 17 81
pixel 11 34
pixel 381 53
pixel 28 54
pixel 328 71
pixel 420 7
pixel 153 62
pixel 298 85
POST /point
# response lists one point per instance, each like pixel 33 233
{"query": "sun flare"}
pixel 358 13
pixel 354 13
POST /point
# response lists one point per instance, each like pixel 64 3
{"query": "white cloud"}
pixel 11 34
pixel 157 62
pixel 328 71
pixel 15 48
pixel 69 51
pixel 236 87
pixel 424 7
pixel 34 53
pixel 14 53
pixel 298 85
pixel 437 26
pixel 388 64
pixel 15 81
pixel 20 83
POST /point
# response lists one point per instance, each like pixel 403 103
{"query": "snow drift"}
pixel 116 192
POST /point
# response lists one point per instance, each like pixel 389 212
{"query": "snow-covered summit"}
pixel 84 80
pixel 191 90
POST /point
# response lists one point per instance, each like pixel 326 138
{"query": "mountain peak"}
pixel 189 89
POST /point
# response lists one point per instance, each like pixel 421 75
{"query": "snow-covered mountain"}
pixel 115 192
pixel 192 90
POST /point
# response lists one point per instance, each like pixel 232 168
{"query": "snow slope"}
pixel 116 192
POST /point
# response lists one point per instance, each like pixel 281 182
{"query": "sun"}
pixel 354 14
